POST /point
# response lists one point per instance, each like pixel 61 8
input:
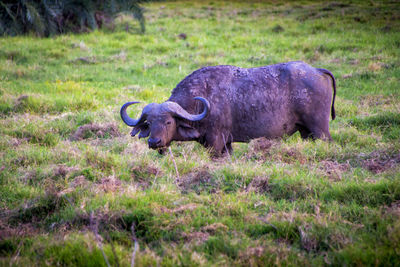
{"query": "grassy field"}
pixel 73 182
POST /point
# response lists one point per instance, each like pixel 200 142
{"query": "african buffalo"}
pixel 238 104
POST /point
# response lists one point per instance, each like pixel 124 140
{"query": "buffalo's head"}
pixel 164 122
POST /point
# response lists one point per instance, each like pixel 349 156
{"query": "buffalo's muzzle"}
pixel 154 142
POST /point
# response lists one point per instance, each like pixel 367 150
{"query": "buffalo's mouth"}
pixel 156 144
pixel 160 149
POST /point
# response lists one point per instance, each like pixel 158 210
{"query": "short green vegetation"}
pixel 75 185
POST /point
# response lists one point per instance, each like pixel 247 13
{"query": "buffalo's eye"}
pixel 169 122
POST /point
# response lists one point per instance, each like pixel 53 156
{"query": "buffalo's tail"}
pixel 334 90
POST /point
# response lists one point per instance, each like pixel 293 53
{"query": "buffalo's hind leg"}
pixel 320 133
pixel 304 133
pixel 316 129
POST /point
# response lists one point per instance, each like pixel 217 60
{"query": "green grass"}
pixel 70 174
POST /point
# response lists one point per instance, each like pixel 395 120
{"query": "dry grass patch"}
pixel 79 181
pixel 198 181
pixel 93 130
pixel 104 221
pixel 197 238
pixel 377 66
pixel 379 162
pixel 63 170
pixel 291 155
pixel 307 240
pixel 284 216
pixel 272 254
pixel 214 228
pixel 183 208
pixel 259 185
pixel 17 141
pixel 8 231
pixel 393 209
pixel 334 169
pixel 368 101
pixel 260 148
pixel 144 174
pixel 263 149
pixel 109 184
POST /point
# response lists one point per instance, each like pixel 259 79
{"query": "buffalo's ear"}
pixel 144 132
pixel 187 131
pixel 134 131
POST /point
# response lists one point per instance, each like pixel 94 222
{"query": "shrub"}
pixel 54 17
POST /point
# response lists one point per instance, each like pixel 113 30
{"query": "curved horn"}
pixel 124 116
pixel 179 111
pixel 132 122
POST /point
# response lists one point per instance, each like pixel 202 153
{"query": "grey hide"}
pixel 244 104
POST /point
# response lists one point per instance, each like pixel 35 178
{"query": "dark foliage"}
pixel 49 17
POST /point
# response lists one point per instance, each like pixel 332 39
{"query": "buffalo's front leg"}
pixel 227 149
pixel 219 144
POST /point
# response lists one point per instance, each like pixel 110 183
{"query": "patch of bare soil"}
pixel 96 130
pixel 379 162
pixel 334 169
pixel 259 185
pixel 198 181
